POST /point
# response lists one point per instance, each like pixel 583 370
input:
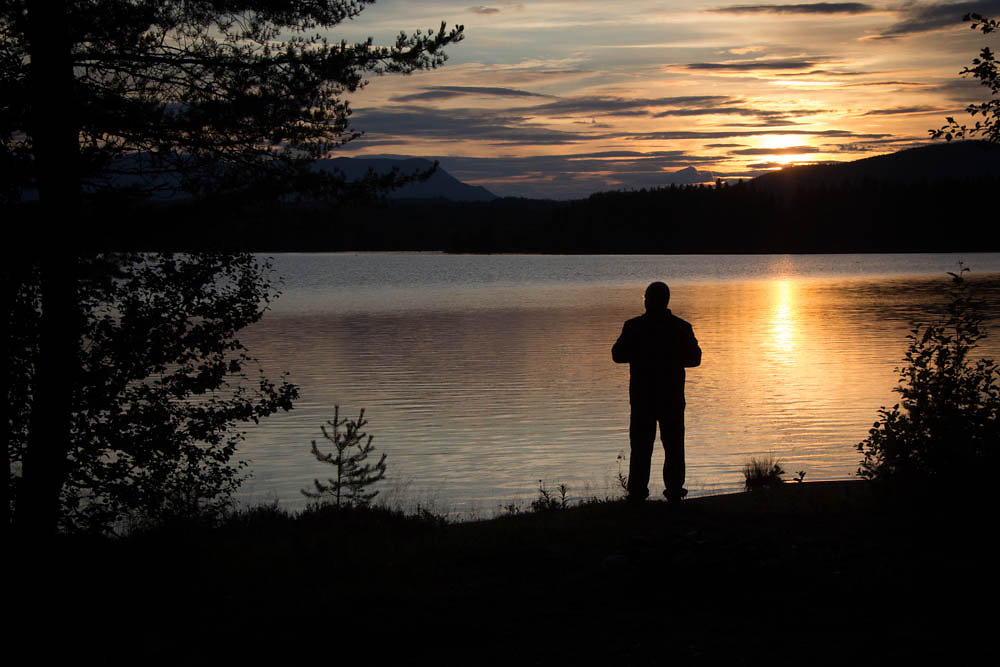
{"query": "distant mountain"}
pixel 688 176
pixel 441 184
pixel 166 186
pixel 935 163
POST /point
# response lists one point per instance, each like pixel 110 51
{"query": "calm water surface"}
pixel 481 375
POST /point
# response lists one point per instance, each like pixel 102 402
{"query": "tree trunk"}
pixel 55 136
pixel 8 297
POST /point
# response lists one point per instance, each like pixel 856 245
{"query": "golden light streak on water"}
pixel 784 325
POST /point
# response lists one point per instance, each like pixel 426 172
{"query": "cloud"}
pixel 880 145
pixel 755 65
pixel 899 111
pixel 494 127
pixel 937 16
pixel 806 8
pixel 825 72
pixel 905 84
pixel 516 128
pixel 523 72
pixel 769 114
pixel 726 134
pixel 449 92
pixel 606 105
pixel 486 11
pixel 576 175
pixel 789 150
pixel 523 126
pixel 662 107
pixel 963 90
pixel 768 122
pixel 632 155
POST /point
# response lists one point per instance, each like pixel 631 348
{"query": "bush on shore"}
pixel 945 430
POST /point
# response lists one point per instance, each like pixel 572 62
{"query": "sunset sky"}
pixel 560 98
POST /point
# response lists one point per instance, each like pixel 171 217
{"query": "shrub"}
pixel 762 473
pixel 945 427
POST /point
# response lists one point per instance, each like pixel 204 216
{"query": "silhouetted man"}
pixel 657 346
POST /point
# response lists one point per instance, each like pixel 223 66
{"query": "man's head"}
pixel 657 297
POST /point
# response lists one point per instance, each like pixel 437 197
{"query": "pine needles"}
pixel 351 447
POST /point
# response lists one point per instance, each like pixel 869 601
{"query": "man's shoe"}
pixel 636 498
pixel 675 497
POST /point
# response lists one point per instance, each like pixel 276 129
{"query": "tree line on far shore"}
pixel 865 216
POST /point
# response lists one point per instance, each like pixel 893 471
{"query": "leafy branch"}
pixel 986 69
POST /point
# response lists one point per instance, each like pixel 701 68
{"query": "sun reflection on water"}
pixel 784 329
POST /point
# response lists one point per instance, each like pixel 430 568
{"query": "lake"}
pixel 481 375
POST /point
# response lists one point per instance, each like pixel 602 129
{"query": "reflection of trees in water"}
pixel 906 300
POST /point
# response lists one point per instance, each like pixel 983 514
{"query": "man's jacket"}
pixel 658 346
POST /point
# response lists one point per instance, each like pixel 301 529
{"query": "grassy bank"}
pixel 813 573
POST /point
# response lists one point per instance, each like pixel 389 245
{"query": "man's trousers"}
pixel 642 435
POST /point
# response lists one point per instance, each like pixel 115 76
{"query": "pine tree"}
pixel 353 476
pixel 121 383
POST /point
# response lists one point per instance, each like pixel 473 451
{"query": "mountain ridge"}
pixel 954 161
pixel 440 184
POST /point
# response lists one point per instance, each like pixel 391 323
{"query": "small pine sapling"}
pixel 349 488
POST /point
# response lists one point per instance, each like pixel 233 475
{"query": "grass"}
pixel 762 473
pixel 591 582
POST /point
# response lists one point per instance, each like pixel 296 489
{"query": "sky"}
pixel 561 98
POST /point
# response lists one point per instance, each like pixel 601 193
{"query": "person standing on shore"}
pixel 658 346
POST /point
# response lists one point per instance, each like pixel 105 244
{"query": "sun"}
pixel 785 160
pixel 779 143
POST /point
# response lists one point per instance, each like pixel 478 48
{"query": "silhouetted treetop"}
pixel 986 69
pixel 204 95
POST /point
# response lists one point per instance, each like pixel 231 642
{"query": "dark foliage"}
pixel 161 388
pixel 547 501
pixel 762 473
pixel 945 431
pixel 201 97
pixel 124 381
pixel 986 69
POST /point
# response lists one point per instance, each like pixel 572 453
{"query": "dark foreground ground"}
pixel 813 573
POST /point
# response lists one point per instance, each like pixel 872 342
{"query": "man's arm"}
pixel 621 351
pixel 690 351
